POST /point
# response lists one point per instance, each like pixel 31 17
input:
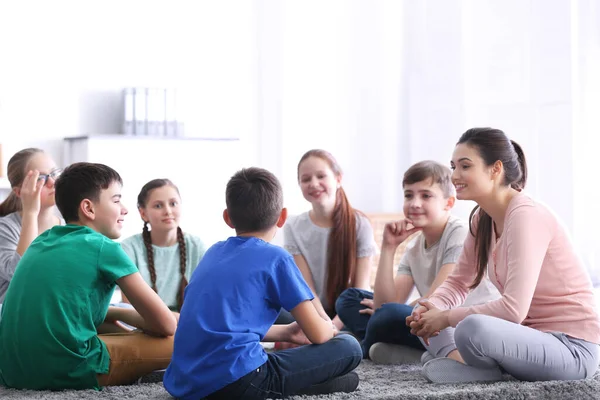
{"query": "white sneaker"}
pixel 387 353
pixel 447 370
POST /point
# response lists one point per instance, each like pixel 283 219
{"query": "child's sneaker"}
pixel 153 377
pixel 386 353
pixel 345 383
pixel 447 370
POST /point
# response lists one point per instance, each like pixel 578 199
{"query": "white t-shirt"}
pixel 423 264
pixel 303 237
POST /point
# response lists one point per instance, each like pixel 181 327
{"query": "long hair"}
pixel 141 203
pixel 493 145
pixel 16 174
pixel 341 246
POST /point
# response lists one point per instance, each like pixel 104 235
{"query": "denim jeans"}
pixel 289 371
pixel 387 324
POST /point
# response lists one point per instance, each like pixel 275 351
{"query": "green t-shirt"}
pixel 167 264
pixel 57 298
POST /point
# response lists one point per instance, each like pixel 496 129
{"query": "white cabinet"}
pixel 200 168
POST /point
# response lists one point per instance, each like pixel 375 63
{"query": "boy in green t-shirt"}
pixel 56 315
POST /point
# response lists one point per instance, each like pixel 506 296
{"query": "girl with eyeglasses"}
pixel 28 210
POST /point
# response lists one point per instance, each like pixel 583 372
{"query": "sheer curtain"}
pixel 586 130
pixel 385 84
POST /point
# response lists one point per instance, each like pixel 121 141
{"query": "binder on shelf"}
pixel 151 112
pixel 140 111
pixel 156 112
pixel 128 111
pixel 171 113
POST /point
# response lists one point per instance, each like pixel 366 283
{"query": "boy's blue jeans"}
pixel 289 371
pixel 387 324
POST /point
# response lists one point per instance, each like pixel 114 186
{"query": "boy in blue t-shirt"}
pixel 232 301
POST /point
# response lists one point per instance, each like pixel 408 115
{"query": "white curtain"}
pixel 385 84
pixel 586 130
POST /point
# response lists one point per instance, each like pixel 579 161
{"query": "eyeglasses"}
pixel 54 175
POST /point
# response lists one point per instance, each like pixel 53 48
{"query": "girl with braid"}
pixel 164 255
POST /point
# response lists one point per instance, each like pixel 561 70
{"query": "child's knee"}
pixel 349 346
pixel 349 298
pixel 348 342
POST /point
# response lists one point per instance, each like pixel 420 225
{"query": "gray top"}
pixel 10 232
pixel 303 237
pixel 423 264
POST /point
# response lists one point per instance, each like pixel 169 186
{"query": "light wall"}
pixel 379 84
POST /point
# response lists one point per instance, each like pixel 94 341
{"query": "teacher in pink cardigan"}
pixel 545 325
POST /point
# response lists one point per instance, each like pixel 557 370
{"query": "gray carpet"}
pixel 377 382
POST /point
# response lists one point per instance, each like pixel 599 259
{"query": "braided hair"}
pixel 142 200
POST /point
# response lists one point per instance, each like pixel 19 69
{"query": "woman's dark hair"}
pixel 493 145
pixel 341 246
pixel 142 200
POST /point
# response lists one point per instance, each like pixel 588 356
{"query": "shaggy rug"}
pixel 377 382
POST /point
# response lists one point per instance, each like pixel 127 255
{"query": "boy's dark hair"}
pixel 433 170
pixel 81 181
pixel 254 200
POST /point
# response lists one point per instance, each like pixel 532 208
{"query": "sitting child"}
pixel 234 298
pixel 164 255
pixel 56 307
pixel 380 318
pixel 28 210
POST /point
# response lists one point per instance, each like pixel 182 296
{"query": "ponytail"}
pixel 150 255
pixel 483 237
pixel 341 249
pixel 10 205
pixel 183 282
pixel 520 183
pixel 17 171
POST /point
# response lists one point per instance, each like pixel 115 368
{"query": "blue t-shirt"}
pixel 232 300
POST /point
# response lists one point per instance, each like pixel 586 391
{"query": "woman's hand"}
pixel 428 323
pixel 30 193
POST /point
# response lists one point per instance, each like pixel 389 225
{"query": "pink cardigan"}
pixel 543 283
